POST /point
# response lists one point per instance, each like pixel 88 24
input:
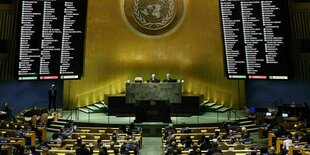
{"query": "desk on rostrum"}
pixel 153 92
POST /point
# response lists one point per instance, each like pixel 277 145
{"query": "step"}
pixel 92 107
pixel 241 118
pixel 86 110
pixel 100 105
pixel 245 122
pixel 204 102
pixel 253 129
pixel 210 104
pixel 57 126
pixel 215 107
pixel 64 120
pixel 248 126
pixel 52 130
pixel 223 109
pixel 61 122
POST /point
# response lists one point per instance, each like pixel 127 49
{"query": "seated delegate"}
pixel 168 78
pixel 153 79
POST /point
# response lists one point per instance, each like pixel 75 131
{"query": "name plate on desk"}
pixel 153 91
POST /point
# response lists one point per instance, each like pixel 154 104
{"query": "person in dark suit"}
pixel 83 150
pixel 52 97
pixel 153 79
pixel 168 78
pixel 215 149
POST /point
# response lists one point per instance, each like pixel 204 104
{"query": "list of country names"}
pixel 251 35
pixel 51 38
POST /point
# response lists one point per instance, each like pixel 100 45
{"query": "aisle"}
pixel 151 146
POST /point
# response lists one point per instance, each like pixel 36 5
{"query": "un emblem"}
pixel 153 17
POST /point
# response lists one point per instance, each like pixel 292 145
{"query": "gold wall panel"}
pixel 115 53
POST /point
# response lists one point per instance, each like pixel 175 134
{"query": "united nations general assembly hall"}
pixel 154 77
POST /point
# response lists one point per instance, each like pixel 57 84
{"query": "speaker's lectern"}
pixel 153 111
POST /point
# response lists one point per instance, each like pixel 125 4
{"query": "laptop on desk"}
pixel 284 115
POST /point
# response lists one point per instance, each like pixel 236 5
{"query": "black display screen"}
pixel 256 38
pixel 50 39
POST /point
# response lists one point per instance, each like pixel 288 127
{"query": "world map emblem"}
pixel 153 17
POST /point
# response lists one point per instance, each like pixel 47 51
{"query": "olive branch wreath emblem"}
pixel 163 22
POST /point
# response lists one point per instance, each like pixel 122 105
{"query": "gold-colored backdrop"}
pixel 115 52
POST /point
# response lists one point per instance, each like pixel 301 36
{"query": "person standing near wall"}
pixel 52 97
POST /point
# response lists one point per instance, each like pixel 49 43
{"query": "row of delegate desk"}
pixel 25 117
pixel 296 146
pixel 96 133
pixel 28 134
pixel 196 135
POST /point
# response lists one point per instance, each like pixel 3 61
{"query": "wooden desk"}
pixel 292 149
pixel 279 144
pixel 271 135
pixel 44 132
pixel 236 144
pixel 20 141
pixel 49 117
pixel 121 136
pixel 28 134
pixel 32 137
pixel 291 119
pixel 8 149
pixel 95 141
pixel 45 152
pixel 235 151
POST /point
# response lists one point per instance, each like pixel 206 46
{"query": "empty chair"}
pixel 43 119
pixel 34 120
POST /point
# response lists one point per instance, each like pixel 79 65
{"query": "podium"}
pixel 153 100
pixel 154 92
pixel 152 111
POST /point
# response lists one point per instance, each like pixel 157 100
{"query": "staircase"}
pixel 94 108
pixel 55 126
pixel 213 107
pixel 250 125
